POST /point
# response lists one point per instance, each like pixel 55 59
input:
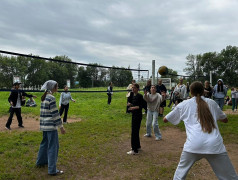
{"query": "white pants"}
pixel 220 164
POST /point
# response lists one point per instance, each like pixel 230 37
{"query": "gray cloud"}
pixel 120 33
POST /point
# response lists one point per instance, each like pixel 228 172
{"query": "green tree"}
pixel 228 65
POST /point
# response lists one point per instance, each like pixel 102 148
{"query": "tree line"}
pixel 223 65
pixel 34 72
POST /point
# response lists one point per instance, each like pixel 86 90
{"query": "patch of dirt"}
pixel 30 122
pixel 160 156
pixel 229 111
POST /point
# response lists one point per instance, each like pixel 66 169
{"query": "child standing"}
pixel 49 122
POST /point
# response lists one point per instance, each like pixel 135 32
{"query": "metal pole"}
pixel 153 72
pixel 210 78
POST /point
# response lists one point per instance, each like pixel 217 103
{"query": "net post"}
pixel 153 72
pixel 211 78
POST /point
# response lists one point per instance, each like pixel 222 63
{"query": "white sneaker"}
pixel 147 135
pixel 158 139
pixel 132 152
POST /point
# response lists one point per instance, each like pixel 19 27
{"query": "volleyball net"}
pixel 32 71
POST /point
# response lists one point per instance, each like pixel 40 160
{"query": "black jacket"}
pixel 14 95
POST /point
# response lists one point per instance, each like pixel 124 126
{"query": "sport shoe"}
pixel 158 139
pixel 58 172
pixel 21 126
pixel 8 128
pixel 147 135
pixel 132 152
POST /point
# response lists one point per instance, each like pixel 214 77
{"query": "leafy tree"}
pixel 228 65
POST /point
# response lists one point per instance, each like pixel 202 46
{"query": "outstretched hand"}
pixel 62 130
pixel 165 120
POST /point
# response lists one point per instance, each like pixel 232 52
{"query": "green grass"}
pixel 85 148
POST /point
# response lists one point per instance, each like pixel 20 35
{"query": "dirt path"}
pixel 30 122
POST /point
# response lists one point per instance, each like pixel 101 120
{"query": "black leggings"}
pixel 135 132
pixel 66 108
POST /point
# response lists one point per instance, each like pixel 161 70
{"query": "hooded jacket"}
pixel 221 94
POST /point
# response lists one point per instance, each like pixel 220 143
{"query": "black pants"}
pixel 64 108
pixel 109 98
pixel 135 132
pixel 144 104
pixel 18 114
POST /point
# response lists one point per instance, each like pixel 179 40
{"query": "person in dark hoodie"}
pixel 219 93
pixel 16 99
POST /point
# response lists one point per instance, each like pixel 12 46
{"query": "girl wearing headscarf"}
pixel 200 116
pixel 49 122
pixel 219 93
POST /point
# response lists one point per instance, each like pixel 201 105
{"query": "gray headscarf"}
pixel 49 85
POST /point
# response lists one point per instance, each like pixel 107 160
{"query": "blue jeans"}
pixel 48 152
pixel 220 102
pixel 152 116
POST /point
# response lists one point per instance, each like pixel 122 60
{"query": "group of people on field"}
pixel 50 120
pixel 199 114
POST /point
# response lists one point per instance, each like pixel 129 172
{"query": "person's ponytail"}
pixel 43 96
pixel 203 111
pixel 204 115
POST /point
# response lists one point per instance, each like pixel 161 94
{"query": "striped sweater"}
pixel 49 115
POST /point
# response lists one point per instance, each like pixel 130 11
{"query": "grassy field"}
pixel 85 146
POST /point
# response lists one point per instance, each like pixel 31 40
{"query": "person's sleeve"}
pixel 174 116
pixel 27 95
pixel 10 98
pixel 145 97
pixel 60 99
pixel 71 97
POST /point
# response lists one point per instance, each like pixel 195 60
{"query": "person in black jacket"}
pixel 16 99
pixel 135 103
pixel 109 93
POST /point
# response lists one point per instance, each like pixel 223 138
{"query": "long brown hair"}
pixel 204 114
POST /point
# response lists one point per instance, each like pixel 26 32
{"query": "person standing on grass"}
pixel 16 99
pixel 153 105
pixel 207 90
pixel 160 88
pixel 200 116
pixel 135 103
pixel 109 93
pixel 233 98
pixel 65 97
pixel 49 122
pixel 181 88
pixel 219 93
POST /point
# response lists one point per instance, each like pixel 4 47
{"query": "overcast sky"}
pixel 121 33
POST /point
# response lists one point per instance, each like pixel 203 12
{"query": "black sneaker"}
pixel 21 126
pixel 8 128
